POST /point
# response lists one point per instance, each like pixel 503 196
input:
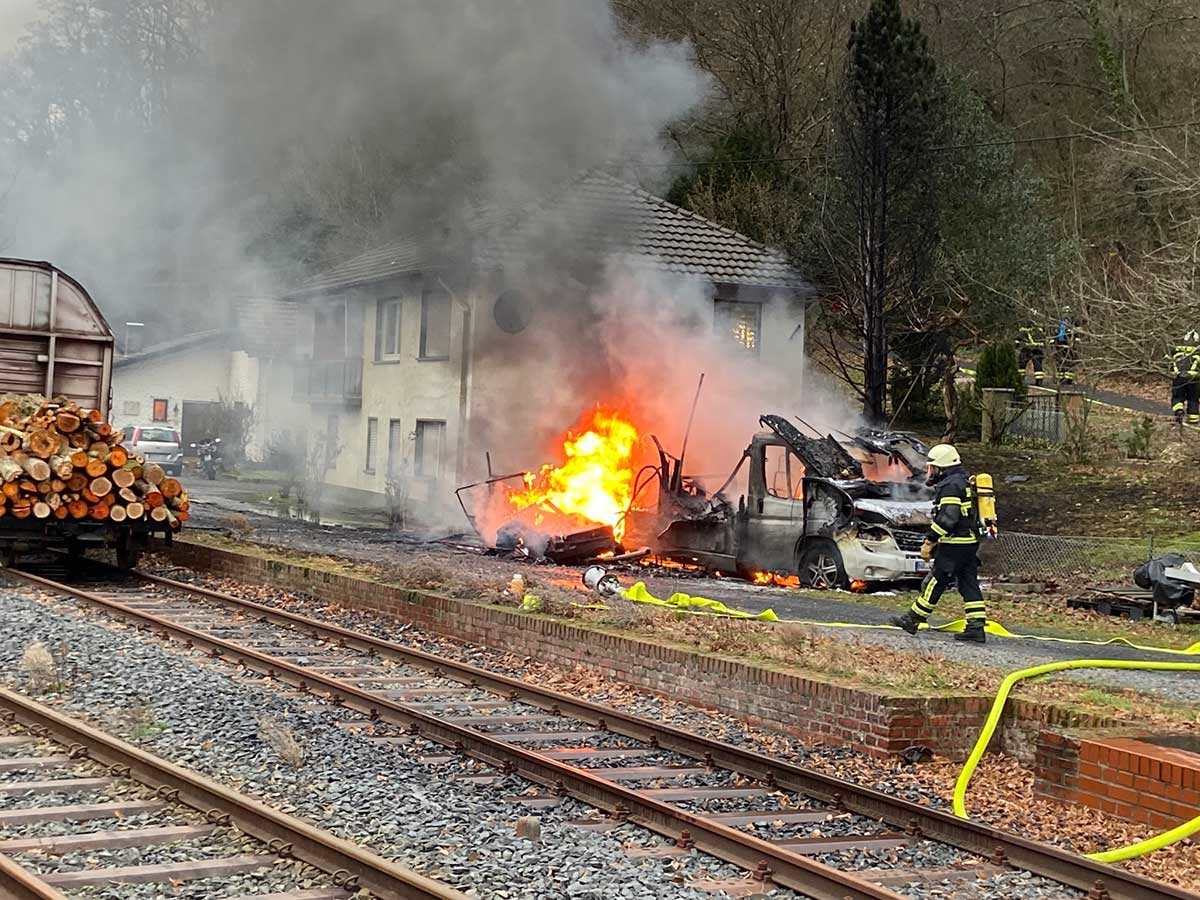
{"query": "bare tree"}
pixel 1139 296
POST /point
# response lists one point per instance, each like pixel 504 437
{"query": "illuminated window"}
pixel 739 323
pixel 160 410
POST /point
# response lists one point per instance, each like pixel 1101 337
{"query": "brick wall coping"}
pixel 773 695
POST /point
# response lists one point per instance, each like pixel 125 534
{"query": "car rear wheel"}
pixel 821 566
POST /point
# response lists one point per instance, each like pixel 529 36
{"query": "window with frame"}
pixel 784 473
pixel 396 437
pixel 160 413
pixel 430 446
pixel 132 408
pixel 387 329
pixel 739 323
pixel 435 324
pixel 372 444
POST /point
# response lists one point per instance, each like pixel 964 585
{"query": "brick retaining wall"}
pixel 880 722
pixel 1123 776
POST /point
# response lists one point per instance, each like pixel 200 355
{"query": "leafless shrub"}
pixel 237 525
pixel 280 738
pixel 38 664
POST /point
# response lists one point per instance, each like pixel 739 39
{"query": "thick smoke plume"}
pixel 246 141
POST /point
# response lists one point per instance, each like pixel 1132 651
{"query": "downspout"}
pixel 464 381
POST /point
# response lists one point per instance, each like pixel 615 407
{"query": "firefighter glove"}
pixel 927 550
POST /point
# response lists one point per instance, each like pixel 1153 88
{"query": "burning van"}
pixel 817 512
pixel 824 512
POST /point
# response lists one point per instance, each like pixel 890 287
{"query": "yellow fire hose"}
pixel 1157 842
pixel 699 605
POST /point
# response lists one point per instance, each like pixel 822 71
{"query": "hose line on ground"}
pixel 1157 842
pixel 702 606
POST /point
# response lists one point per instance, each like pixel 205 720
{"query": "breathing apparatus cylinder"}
pixel 985 504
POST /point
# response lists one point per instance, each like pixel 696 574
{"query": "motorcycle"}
pixel 209 453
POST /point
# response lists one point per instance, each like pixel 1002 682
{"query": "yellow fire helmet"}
pixel 943 456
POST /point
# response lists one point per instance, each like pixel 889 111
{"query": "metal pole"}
pixel 688 432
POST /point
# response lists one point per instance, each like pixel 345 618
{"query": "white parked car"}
pixel 159 445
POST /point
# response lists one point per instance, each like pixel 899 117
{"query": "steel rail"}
pixel 17 883
pixel 351 866
pixel 781 866
pixel 939 825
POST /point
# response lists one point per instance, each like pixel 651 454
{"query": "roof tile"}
pixel 602 214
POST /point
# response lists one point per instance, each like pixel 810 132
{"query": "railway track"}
pixel 159 824
pixel 820 836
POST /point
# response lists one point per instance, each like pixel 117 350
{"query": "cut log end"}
pixel 67 423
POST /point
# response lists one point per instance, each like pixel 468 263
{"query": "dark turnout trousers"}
pixel 1035 355
pixel 958 563
pixel 1185 395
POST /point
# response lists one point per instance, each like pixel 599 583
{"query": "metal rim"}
pixel 822 572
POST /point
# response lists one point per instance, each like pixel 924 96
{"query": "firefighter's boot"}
pixel 910 622
pixel 973 633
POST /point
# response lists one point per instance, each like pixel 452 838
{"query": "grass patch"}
pixel 145 725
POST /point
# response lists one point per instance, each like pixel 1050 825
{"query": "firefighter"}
pixel 1064 349
pixel 1031 349
pixel 1185 388
pixel 952 543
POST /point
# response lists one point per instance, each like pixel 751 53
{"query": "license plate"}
pixel 921 566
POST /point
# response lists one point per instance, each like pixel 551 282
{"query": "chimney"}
pixel 133 337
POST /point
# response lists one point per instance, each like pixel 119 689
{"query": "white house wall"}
pixel 404 389
pixel 407 389
pixel 197 374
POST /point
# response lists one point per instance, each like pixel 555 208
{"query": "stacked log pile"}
pixel 62 462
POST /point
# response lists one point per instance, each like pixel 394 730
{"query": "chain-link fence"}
pixel 1040 557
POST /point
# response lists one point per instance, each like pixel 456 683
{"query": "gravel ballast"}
pixel 377 795
pixel 1002 791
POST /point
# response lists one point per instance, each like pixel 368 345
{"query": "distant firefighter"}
pixel 1185 387
pixel 1064 349
pixel 1031 348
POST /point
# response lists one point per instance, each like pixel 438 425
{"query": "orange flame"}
pixel 777 579
pixel 596 480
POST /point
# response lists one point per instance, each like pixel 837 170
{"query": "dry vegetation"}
pixel 37 662
pixel 280 738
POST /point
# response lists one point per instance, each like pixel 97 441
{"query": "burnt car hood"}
pixel 902 513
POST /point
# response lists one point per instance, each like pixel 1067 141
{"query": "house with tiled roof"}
pixel 395 343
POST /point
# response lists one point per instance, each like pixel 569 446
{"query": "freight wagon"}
pixel 55 342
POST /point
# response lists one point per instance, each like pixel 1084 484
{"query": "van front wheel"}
pixel 821 566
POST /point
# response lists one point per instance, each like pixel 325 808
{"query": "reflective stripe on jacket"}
pixel 1186 359
pixel 953 510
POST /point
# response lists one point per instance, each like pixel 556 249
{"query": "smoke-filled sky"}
pixel 288 132
pixel 15 15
